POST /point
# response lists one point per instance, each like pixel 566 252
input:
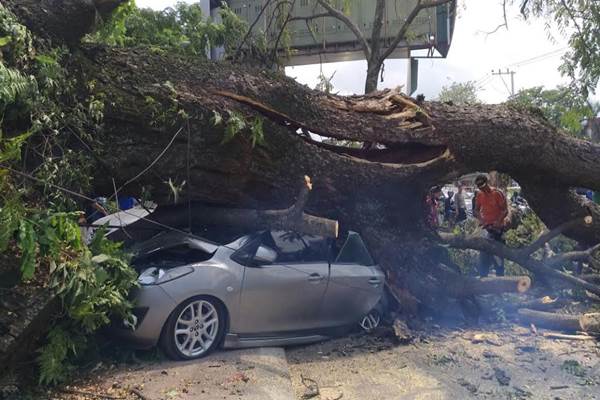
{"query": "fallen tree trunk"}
pixel 589 323
pixel 377 191
pixel 293 218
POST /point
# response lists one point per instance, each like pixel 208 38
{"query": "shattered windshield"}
pixel 354 251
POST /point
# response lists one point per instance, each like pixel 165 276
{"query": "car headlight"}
pixel 156 276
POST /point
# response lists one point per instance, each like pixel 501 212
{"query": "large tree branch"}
pixel 564 258
pixel 292 218
pixel 498 249
pixel 360 36
pixel 551 234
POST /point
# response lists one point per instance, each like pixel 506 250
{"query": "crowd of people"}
pixel 489 207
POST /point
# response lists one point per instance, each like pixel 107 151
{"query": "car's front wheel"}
pixel 194 329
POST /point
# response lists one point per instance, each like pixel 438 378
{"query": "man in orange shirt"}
pixel 491 210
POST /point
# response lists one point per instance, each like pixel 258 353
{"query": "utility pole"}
pixel 500 73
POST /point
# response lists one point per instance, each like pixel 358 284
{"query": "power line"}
pixel 537 58
pixel 500 73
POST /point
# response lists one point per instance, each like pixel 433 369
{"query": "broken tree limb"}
pixel 500 250
pixel 551 234
pixel 562 336
pixel 543 304
pixel 589 323
pixel 562 322
pixel 563 258
pixel 293 218
pixel 498 285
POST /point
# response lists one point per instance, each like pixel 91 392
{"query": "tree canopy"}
pixel 561 106
pixel 580 21
pixel 460 93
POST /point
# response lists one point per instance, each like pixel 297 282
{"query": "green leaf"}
pixel 257 132
pixel 27 245
pixel 4 40
pixel 216 119
pixel 100 258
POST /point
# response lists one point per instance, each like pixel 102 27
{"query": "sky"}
pixel 525 47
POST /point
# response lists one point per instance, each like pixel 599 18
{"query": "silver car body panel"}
pixel 275 304
pixel 282 297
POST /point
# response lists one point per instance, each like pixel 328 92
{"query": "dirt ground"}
pixel 498 362
pixel 491 361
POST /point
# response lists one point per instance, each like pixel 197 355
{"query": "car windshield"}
pixel 354 251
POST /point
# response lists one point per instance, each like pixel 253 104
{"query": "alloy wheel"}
pixel 196 328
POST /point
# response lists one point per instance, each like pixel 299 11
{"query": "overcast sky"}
pixel 524 48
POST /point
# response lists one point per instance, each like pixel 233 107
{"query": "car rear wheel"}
pixel 194 329
pixel 370 321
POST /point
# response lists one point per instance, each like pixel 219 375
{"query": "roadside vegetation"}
pixel 38 212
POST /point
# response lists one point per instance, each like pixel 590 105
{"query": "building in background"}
pixel 326 39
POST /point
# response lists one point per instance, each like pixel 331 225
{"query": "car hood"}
pixel 171 239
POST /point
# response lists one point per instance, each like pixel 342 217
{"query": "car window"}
pixel 354 251
pixel 296 247
pixel 180 254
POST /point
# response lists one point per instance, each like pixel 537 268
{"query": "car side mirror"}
pixel 265 255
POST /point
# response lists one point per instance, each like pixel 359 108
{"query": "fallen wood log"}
pixel 589 323
pixel 543 304
pixel 497 285
pixel 293 218
pixel 562 322
pixel 552 335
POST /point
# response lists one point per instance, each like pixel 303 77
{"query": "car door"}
pixel 287 294
pixel 355 284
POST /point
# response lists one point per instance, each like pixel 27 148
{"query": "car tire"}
pixel 371 321
pixel 194 329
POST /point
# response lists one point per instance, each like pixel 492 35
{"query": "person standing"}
pixel 491 211
pixel 461 206
pixel 449 207
pixel 432 201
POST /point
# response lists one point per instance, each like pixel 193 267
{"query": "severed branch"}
pixel 517 255
pixel 589 323
pixel 293 218
pixel 549 235
pixel 585 255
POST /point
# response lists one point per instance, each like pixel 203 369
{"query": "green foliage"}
pixel 16 44
pixel 563 107
pixel 237 123
pixel 28 247
pixel 573 367
pixel 526 232
pixel 181 29
pixel 93 283
pixel 257 135
pixel 460 93
pixel 39 98
pixel 15 89
pixel 325 83
pixel 51 360
pixel 580 21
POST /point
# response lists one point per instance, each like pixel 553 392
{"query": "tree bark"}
pixel 377 191
pixel 589 323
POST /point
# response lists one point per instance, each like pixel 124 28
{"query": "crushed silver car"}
pixel 270 288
